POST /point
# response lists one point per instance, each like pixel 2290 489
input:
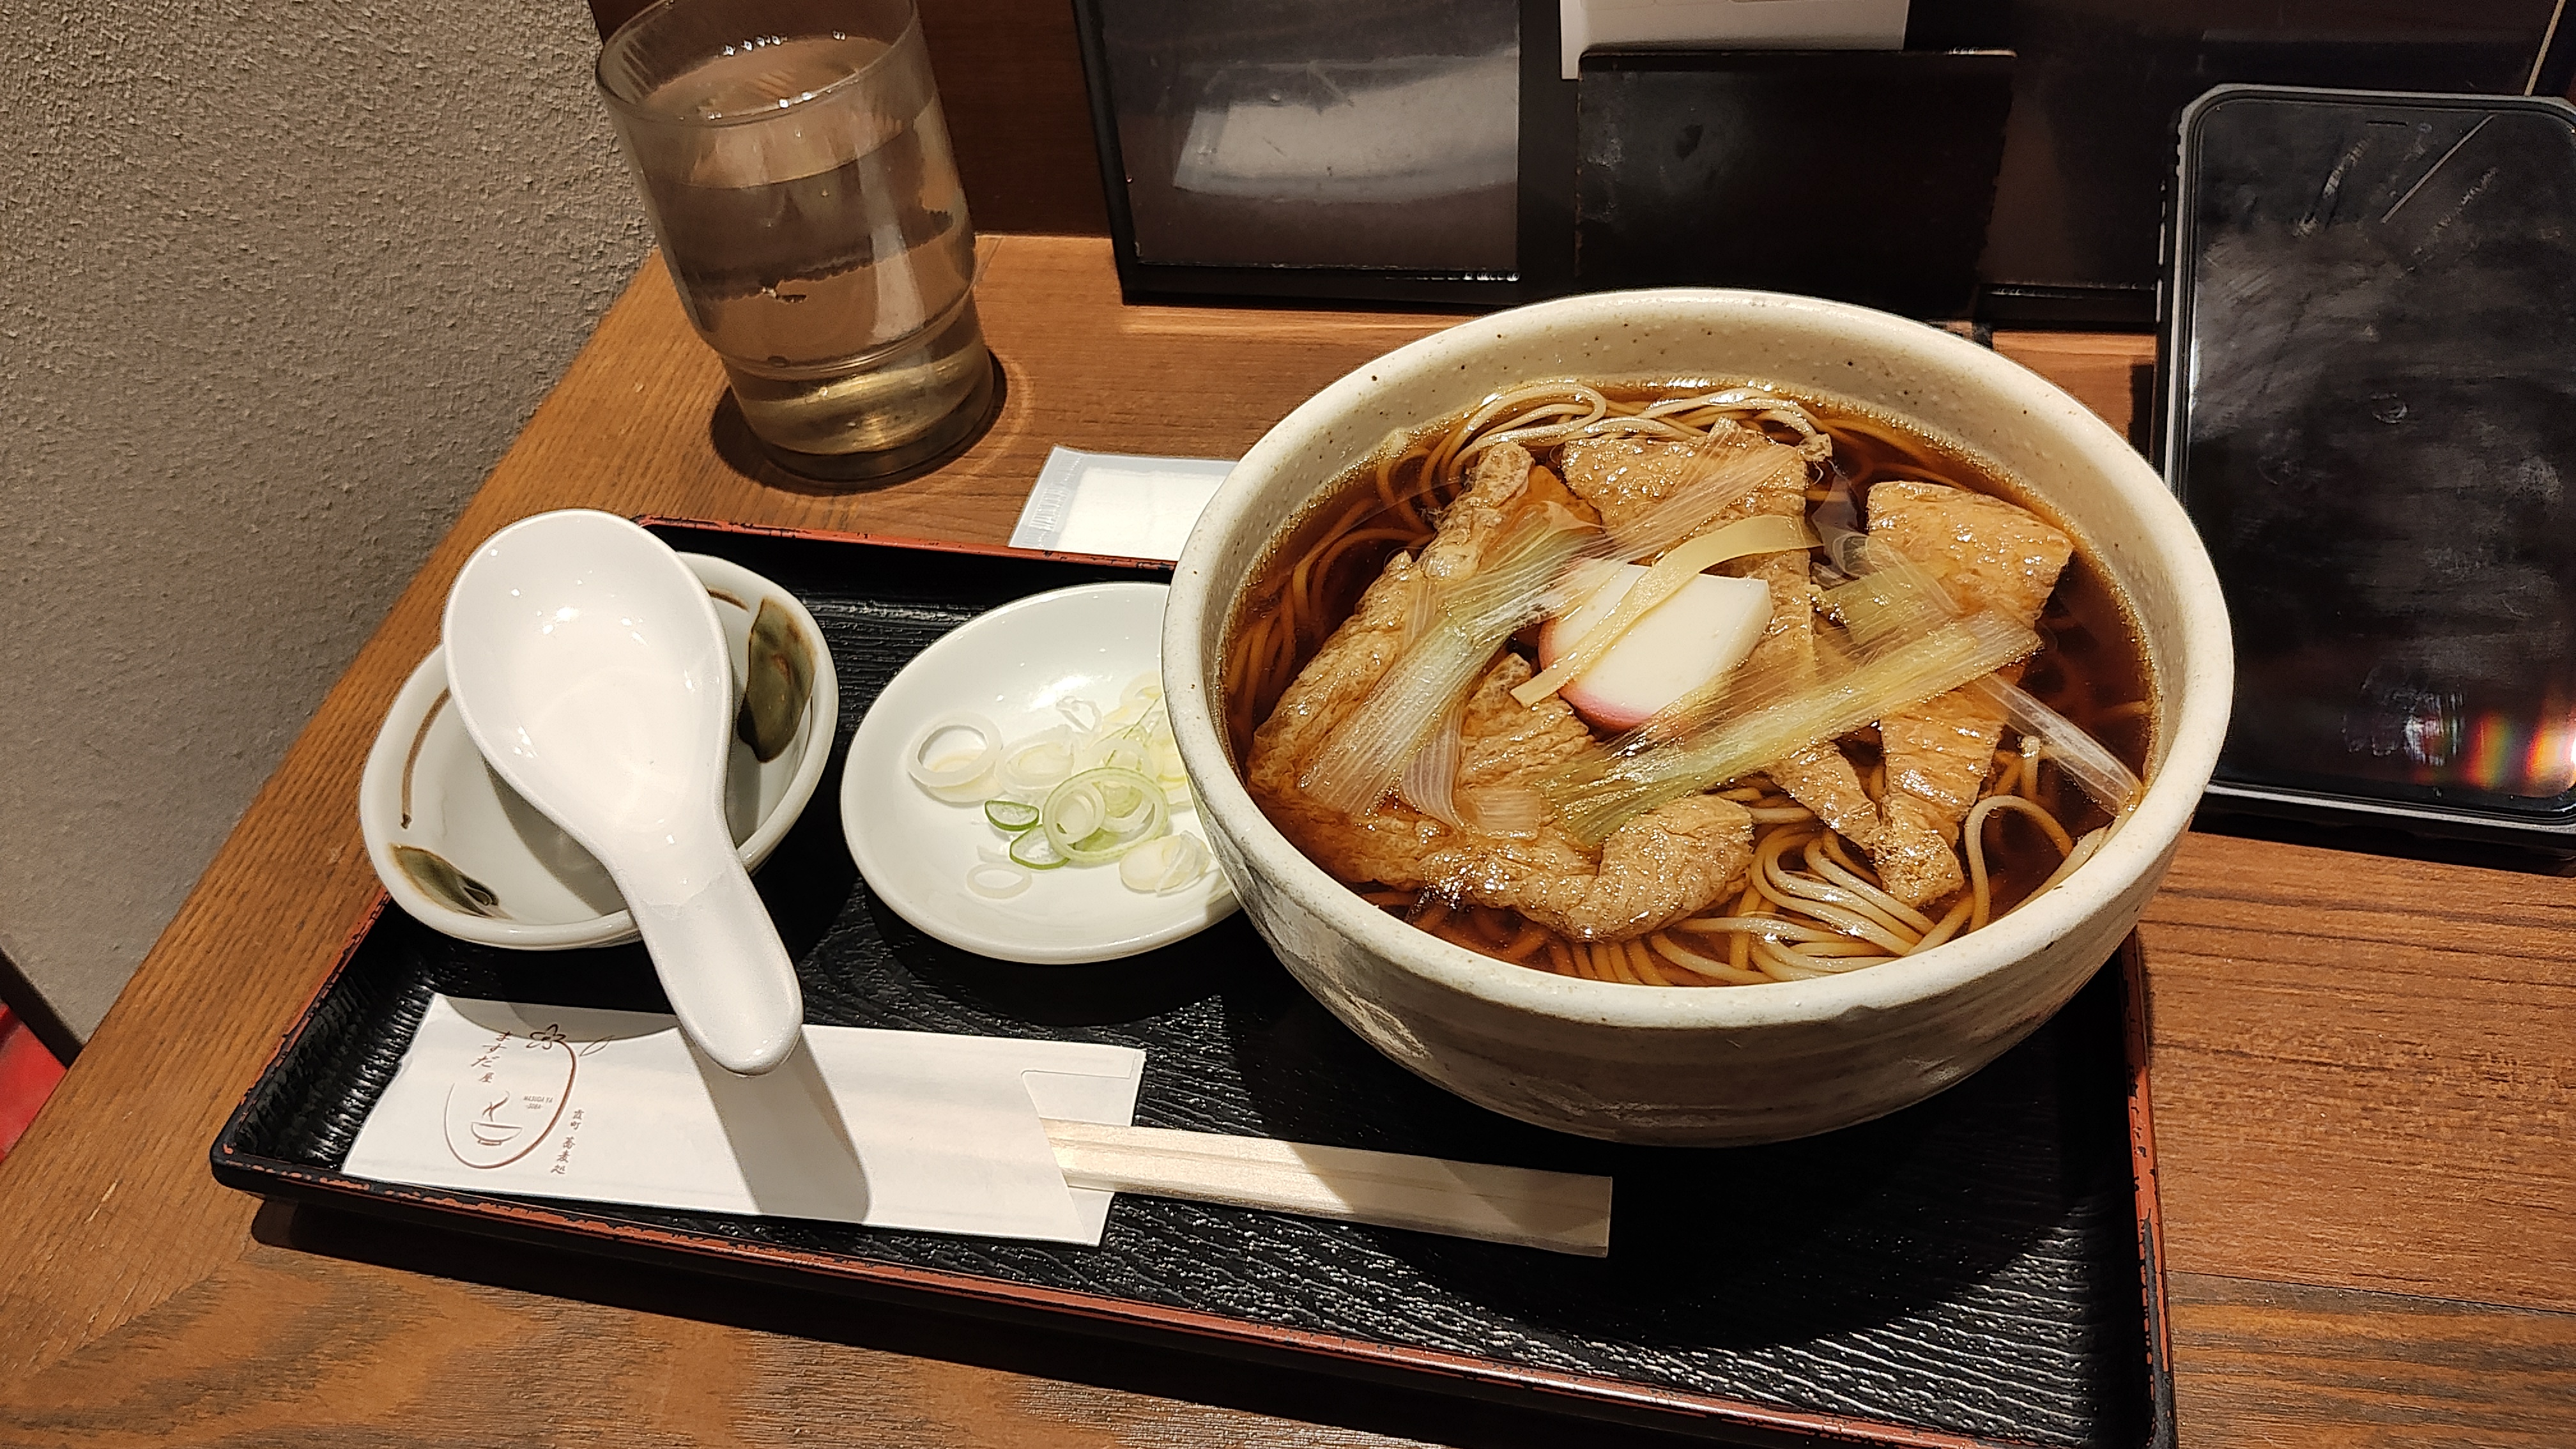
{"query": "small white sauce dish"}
pixel 1012 666
pixel 464 855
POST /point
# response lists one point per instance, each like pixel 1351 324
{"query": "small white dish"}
pixel 1011 666
pixel 464 855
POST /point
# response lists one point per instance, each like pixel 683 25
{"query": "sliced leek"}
pixel 1459 625
pixel 1032 849
pixel 1598 794
pixel 957 775
pixel 1011 816
pixel 1088 791
pixel 1164 865
pixel 1100 815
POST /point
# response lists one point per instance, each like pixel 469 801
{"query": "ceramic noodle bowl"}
pixel 1722 1065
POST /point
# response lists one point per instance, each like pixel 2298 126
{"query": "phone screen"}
pixel 2376 436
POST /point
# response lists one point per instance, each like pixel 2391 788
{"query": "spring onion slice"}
pixel 1012 816
pixel 1430 780
pixel 1032 849
pixel 1039 763
pixel 1885 574
pixel 1089 791
pixel 2103 775
pixel 1163 755
pixel 1367 755
pixel 1515 811
pixel 1074 811
pixel 1142 694
pixel 957 778
pixel 1878 613
pixel 1163 865
pixel 1517 577
pixel 1101 814
pixel 1134 813
pixel 1130 748
pixel 996 878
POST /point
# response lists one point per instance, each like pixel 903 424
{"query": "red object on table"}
pixel 27 1076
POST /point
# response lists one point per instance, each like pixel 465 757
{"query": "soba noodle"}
pixel 1809 906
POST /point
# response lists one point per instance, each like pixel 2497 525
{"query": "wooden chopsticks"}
pixel 1561 1212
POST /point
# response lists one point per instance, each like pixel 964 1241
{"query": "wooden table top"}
pixel 2364 1066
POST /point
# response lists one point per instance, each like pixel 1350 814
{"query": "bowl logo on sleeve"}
pixel 509 1098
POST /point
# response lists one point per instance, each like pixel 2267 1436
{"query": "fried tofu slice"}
pixel 1668 863
pixel 1992 557
pixel 1625 475
pixel 1664 865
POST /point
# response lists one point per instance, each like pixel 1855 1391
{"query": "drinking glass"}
pixel 796 168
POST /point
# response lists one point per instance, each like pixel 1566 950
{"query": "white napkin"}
pixel 1119 504
pixel 894 1129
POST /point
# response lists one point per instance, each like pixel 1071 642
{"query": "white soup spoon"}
pixel 589 667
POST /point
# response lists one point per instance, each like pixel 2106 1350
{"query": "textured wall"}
pixel 278 284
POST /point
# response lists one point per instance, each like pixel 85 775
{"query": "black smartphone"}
pixel 2371 417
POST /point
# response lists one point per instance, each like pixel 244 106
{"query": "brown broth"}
pixel 2092 667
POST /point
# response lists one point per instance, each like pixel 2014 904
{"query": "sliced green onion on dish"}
pixel 1080 713
pixel 1031 848
pixel 1161 866
pixel 1093 790
pixel 1135 809
pixel 996 878
pixel 1127 749
pixel 1074 810
pixel 1101 814
pixel 1143 694
pixel 960 772
pixel 1040 763
pixel 1012 816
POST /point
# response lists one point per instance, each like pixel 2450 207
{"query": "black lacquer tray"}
pixel 1979 1269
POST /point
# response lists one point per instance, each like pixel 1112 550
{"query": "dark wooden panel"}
pixel 607 15
pixel 1010 77
pixel 2285 1363
pixel 1010 80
